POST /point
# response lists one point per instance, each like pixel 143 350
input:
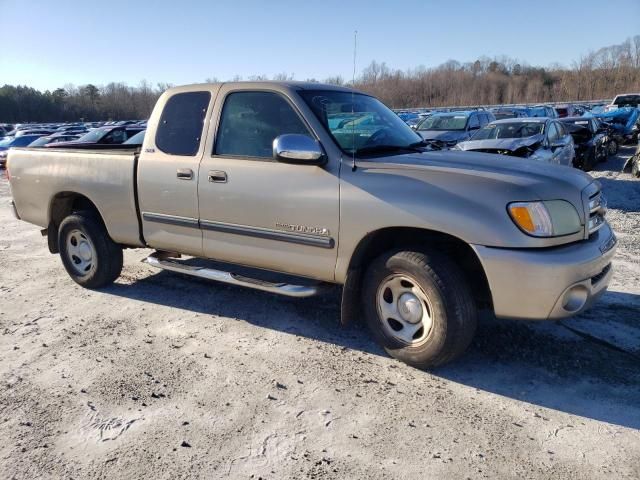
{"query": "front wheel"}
pixel 419 307
pixel 88 254
pixel 612 148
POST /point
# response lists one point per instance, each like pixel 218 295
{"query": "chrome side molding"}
pixel 160 260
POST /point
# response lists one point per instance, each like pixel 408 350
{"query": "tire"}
pixel 88 254
pixel 438 286
pixel 612 148
pixel 589 161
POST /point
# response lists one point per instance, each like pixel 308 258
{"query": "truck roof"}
pixel 269 84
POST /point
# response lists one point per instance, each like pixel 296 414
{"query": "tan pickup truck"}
pixel 327 185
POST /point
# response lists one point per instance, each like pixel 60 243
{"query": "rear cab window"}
pixel 180 128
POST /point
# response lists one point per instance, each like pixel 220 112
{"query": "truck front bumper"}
pixel 549 283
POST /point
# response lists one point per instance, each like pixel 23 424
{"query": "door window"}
pixel 473 122
pixel 250 121
pixel 180 127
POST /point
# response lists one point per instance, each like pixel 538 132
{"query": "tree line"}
pixel 594 76
pixel 487 81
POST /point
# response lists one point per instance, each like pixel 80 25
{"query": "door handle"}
pixel 217 176
pixel 184 173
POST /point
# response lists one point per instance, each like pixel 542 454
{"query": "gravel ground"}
pixel 163 376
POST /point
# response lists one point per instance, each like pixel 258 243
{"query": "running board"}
pixel 159 260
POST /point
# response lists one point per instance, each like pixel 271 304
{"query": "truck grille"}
pixel 597 211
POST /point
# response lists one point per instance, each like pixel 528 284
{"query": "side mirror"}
pixel 297 148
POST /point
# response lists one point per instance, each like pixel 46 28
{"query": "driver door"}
pixel 256 211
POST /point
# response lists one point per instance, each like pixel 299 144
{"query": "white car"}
pixel 624 100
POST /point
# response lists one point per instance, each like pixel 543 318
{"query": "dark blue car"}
pixel 7 143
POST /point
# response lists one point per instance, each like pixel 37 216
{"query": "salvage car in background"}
pixel 624 100
pixel 101 136
pixel 137 139
pixel 509 112
pixel 10 142
pixel 445 130
pixel 589 141
pixel 542 139
pixel 610 136
pixel 56 138
pixel 566 110
pixel 623 122
pixel 542 111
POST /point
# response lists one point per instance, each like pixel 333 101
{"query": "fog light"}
pixel 575 298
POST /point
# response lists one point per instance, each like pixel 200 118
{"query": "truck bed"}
pixel 105 177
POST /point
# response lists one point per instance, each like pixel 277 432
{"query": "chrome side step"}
pixel 160 260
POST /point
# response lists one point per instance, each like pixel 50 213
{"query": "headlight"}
pixel 552 218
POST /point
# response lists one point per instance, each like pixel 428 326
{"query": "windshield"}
pixel 444 122
pixel 358 121
pixel 509 130
pixel 93 136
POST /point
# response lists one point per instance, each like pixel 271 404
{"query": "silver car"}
pixel 543 139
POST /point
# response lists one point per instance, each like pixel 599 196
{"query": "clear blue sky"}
pixel 49 43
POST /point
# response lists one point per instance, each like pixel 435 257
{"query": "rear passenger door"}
pixel 168 171
pixel 255 210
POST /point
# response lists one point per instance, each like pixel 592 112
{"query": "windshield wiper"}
pixel 413 147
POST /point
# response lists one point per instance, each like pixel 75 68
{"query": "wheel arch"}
pixel 61 206
pixel 377 242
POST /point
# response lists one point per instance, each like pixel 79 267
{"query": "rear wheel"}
pixel 88 254
pixel 419 307
pixel 612 148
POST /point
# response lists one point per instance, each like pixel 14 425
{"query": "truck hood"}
pixel 511 144
pixel 525 179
